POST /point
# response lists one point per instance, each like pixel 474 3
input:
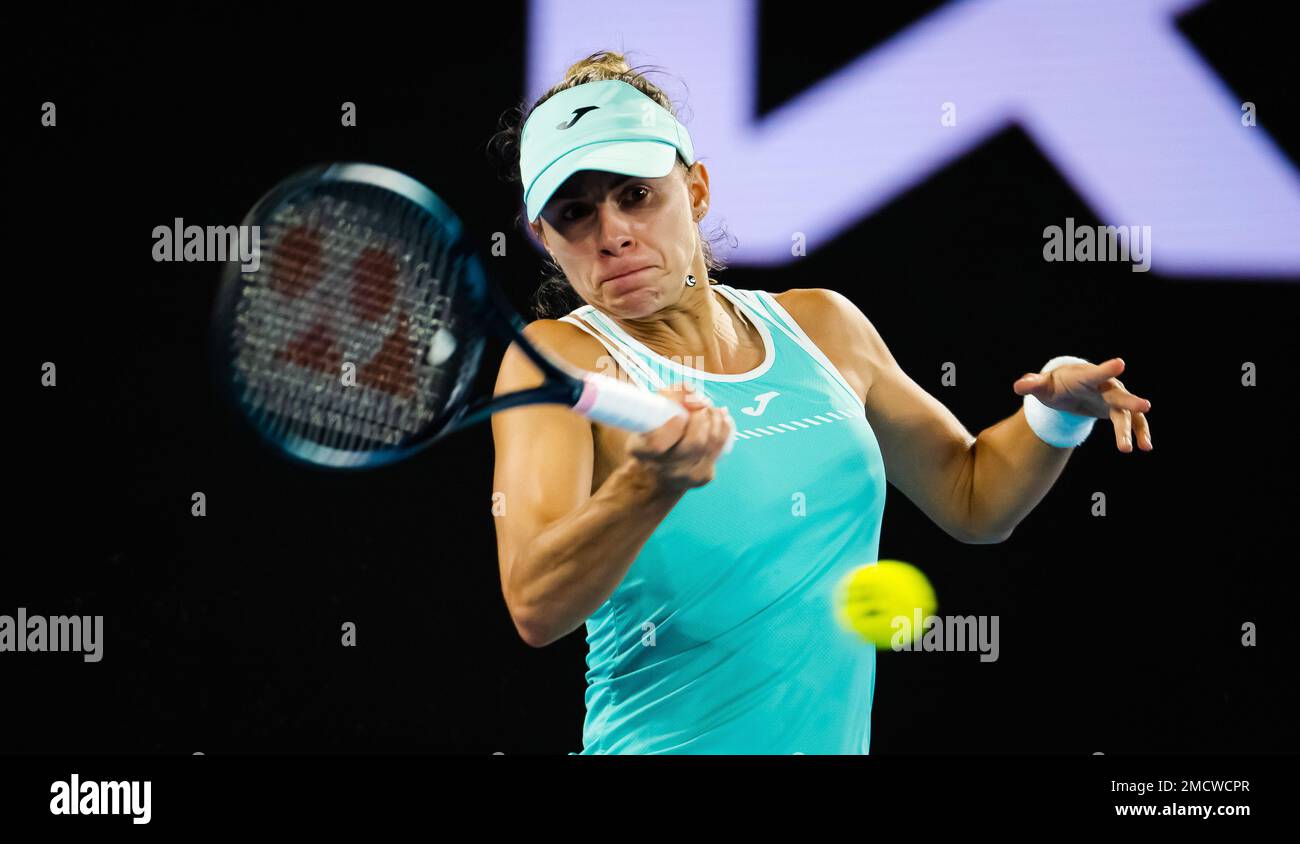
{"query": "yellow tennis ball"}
pixel 869 598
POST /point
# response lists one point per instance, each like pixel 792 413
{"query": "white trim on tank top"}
pixel 796 333
pixel 621 336
pixel 633 367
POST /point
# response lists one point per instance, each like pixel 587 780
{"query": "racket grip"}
pixel 613 402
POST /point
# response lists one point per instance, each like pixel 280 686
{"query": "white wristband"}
pixel 1057 428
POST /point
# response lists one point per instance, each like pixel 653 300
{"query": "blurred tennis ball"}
pixel 870 597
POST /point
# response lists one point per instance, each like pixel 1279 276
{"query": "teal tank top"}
pixel 721 638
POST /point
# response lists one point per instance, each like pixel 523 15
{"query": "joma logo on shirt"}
pixel 762 400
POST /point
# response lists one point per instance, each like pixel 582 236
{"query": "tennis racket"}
pixel 357 339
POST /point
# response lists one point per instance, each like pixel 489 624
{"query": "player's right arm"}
pixel 562 550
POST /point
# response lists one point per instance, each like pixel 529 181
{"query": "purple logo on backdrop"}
pixel 1111 92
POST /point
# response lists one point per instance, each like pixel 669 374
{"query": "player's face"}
pixel 599 224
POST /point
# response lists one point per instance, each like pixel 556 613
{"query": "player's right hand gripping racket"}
pixel 357 339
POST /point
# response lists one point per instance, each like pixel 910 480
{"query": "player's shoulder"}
pixel 834 322
pixel 817 305
pixel 566 340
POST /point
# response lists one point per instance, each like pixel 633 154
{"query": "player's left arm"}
pixel 976 488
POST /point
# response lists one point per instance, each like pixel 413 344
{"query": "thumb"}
pixel 650 444
pixel 1027 383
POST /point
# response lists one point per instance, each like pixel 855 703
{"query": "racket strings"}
pixel 348 276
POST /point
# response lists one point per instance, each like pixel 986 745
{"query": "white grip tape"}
pixel 613 402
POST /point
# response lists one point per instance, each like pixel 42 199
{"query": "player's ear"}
pixel 697 187
pixel 540 234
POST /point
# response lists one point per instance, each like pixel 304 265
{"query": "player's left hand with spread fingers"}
pixel 1090 389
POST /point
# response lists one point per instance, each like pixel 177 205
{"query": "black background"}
pixel 1119 634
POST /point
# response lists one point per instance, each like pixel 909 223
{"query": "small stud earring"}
pixel 690 281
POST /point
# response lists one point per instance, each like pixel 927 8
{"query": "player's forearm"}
pixel 1010 471
pixel 573 566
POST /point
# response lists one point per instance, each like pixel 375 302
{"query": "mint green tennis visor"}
pixel 607 125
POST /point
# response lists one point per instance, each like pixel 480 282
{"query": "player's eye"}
pixel 634 195
pixel 571 212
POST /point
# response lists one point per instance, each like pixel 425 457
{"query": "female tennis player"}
pixel 705 577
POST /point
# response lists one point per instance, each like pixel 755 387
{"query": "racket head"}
pixel 357 264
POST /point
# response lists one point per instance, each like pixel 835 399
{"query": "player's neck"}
pixel 702 330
